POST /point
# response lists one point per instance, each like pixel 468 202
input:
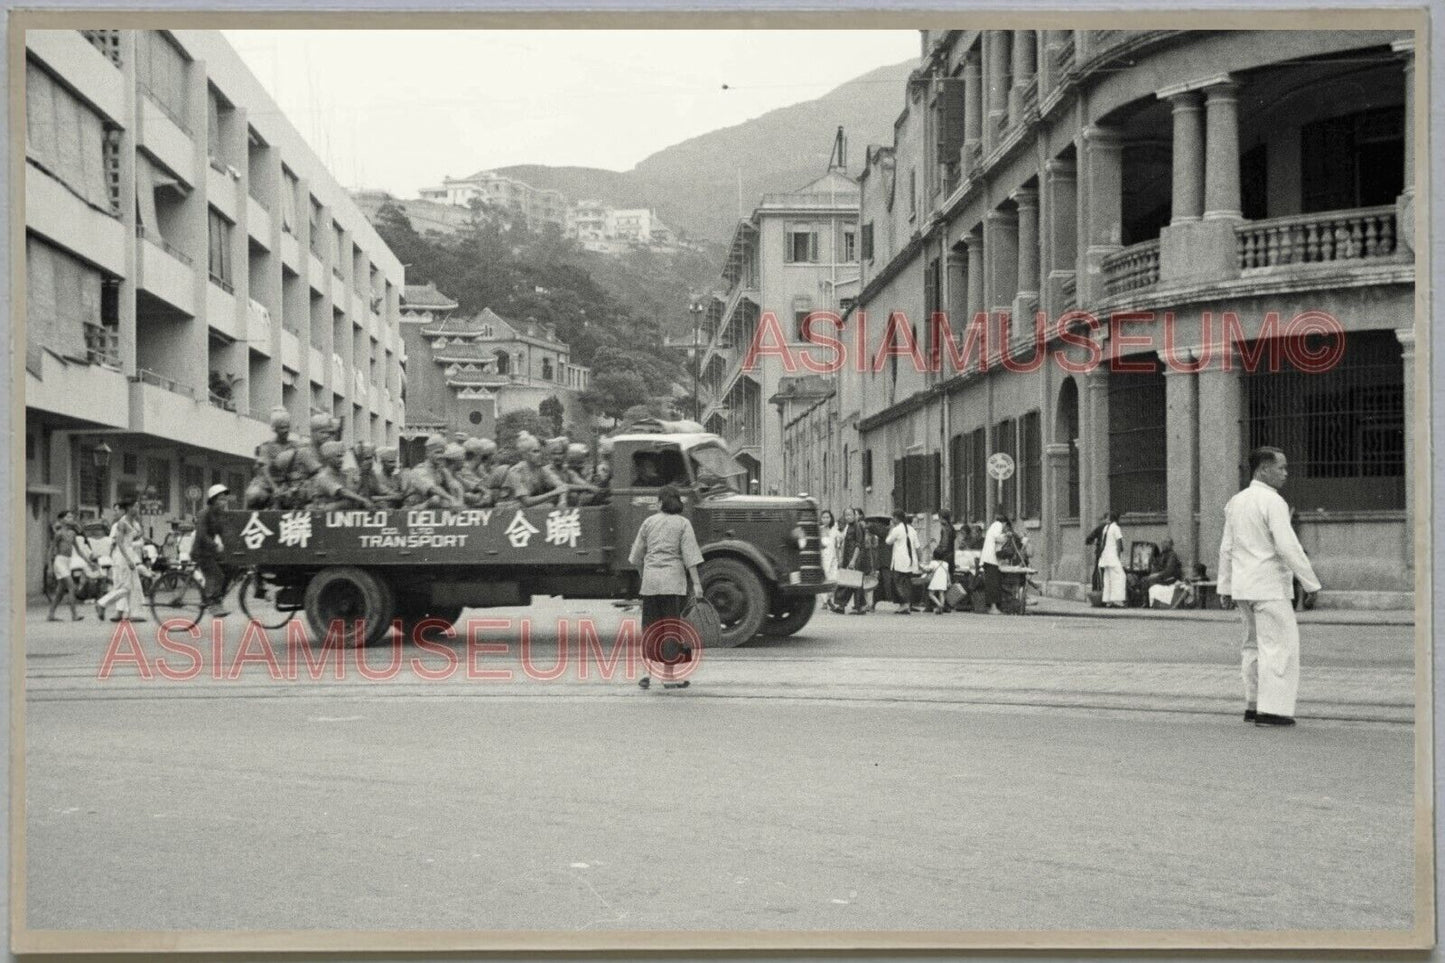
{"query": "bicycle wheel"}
pixel 174 594
pixel 264 602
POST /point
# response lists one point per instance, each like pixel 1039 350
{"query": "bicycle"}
pixel 180 589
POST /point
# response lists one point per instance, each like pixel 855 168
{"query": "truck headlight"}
pixel 800 536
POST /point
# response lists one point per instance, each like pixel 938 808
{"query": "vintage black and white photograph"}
pixel 475 472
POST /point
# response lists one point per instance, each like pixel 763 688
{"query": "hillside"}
pixel 693 185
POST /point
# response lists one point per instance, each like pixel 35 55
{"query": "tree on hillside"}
pixel 613 392
pixel 512 424
pixel 552 412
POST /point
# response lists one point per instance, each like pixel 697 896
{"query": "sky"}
pixel 399 110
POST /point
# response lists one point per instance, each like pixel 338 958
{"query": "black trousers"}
pixel 992 584
pixel 656 645
pixel 210 568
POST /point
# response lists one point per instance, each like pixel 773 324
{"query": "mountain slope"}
pixel 694 185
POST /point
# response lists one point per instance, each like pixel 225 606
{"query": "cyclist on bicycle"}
pixel 207 547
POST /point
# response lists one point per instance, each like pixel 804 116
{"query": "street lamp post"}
pixel 101 456
pixel 696 310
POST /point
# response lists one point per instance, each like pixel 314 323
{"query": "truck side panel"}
pixel 504 537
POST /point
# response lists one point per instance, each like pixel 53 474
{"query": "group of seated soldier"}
pixel 463 473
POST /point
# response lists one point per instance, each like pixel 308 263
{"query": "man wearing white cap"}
pixel 207 547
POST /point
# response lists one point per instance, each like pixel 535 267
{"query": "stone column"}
pixel 1221 448
pixel 1406 338
pixel 1027 200
pixel 1024 55
pixel 1061 212
pixel 1094 472
pixel 1405 205
pixel 956 267
pixel 973 240
pixel 1221 173
pixel 1188 161
pixel 972 111
pixel 1001 255
pixel 1102 152
pixel 1056 502
pixel 997 66
pixel 1200 245
pixel 1182 444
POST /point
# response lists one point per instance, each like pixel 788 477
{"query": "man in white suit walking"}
pixel 1259 556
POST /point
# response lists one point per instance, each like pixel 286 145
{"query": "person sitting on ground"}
pixel 1166 573
pixel 330 491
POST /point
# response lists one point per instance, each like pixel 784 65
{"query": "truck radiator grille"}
pixel 745 516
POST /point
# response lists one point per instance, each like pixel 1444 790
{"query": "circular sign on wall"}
pixel 1000 465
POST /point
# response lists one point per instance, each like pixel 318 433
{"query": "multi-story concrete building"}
pixel 608 230
pixel 536 206
pixel 465 373
pixel 190 264
pixel 787 260
pixel 1190 174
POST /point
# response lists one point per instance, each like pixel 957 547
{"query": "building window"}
pixel 289 188
pixel 802 244
pixel 912 192
pixel 63 301
pixel 1254 183
pixel 1138 457
pixel 215 140
pixel 161 70
pixel 868 241
pixel 106 41
pixel 1005 493
pixel 130 464
pixel 66 139
pixel 1353 161
pixel 850 245
pixel 1031 466
pixel 219 256
pixel 866 469
pixel 547 373
pixel 1343 430
pixel 504 363
pixel 915 482
pixel 158 476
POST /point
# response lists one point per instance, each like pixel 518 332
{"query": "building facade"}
pixel 190 265
pixel 785 262
pixel 536 206
pixel 465 373
pixel 1208 181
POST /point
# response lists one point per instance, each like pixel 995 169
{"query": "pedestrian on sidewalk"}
pixel 829 538
pixel 667 552
pixel 1111 564
pixel 993 542
pixel 946 548
pixel 903 564
pixel 1259 556
pixel 127 565
pixel 63 550
pixel 855 557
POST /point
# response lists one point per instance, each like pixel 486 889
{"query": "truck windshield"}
pixel 719 463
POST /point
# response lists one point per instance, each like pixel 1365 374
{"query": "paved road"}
pixel 858 777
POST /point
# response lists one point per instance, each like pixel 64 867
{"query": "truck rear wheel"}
pixel 790 614
pixel 736 591
pixel 349 594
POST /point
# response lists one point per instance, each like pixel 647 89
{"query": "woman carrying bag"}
pixel 904 565
pixel 667 552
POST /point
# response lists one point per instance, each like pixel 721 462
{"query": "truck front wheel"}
pixel 736 591
pixel 790 614
pixel 348 595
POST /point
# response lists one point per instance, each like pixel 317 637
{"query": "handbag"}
pixel 700 614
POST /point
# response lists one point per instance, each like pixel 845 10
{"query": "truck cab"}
pixel 762 565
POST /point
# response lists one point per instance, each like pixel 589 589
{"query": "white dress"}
pixel 831 542
pixel 938 581
pixel 1112 565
